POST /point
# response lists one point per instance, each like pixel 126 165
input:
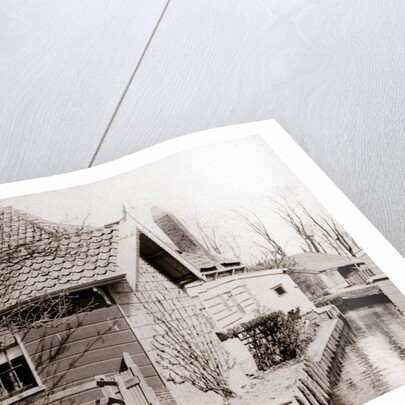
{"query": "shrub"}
pixel 272 338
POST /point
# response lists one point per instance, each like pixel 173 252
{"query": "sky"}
pixel 211 182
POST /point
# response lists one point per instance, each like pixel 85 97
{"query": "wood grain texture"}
pixel 84 347
pixel 329 71
pixel 63 68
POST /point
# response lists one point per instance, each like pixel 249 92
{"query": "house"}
pixel 377 277
pixel 369 269
pixel 140 305
pixel 321 273
pixel 237 298
pixel 91 353
pixel 126 292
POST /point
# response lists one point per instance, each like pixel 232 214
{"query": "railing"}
pixel 231 270
pixel 126 388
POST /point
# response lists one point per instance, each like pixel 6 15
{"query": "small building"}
pixel 371 272
pixel 320 273
pixel 378 278
pixel 229 293
pixel 237 298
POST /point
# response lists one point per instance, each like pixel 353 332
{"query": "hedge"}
pixel 272 338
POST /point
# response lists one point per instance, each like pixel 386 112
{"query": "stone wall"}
pixel 321 369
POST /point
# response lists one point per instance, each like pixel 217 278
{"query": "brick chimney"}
pixel 185 241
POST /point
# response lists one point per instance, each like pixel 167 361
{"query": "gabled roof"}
pixel 187 244
pixel 199 261
pixel 316 262
pixel 38 257
pixel 174 264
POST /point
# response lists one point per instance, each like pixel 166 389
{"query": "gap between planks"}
pixel 138 64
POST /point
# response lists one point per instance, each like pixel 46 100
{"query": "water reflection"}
pixel 375 363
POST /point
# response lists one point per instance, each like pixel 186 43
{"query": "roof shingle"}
pixel 38 257
pixel 317 262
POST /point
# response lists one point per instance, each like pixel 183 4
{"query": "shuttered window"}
pixel 17 376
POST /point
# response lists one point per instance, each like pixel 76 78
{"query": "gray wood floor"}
pixel 84 82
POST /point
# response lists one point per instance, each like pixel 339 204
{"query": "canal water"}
pixel 375 363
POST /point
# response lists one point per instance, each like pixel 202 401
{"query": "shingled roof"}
pixel 316 262
pixel 188 246
pixel 38 257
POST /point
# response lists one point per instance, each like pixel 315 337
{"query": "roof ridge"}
pixel 86 254
pixel 43 223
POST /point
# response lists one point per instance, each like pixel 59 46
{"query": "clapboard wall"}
pixel 85 346
pixel 227 303
pixel 155 292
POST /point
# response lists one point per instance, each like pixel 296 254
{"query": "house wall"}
pixel 333 279
pixel 228 301
pixel 82 347
pixel 356 276
pixel 251 291
pixel 155 301
pixel 309 283
pixel 386 285
pixel 392 292
pixel 369 268
pixel 262 285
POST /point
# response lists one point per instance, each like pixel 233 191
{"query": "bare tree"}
pixel 274 254
pixel 320 233
pixel 208 235
pixel 186 346
pixel 304 230
pixel 42 242
pixel 334 236
pixel 214 241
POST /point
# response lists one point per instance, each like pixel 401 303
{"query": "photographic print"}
pixel 210 276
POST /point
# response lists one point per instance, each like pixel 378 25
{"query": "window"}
pixel 17 376
pixel 252 296
pixel 230 301
pixel 280 290
pixel 225 300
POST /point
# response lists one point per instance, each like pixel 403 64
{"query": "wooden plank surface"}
pixel 330 71
pixel 64 66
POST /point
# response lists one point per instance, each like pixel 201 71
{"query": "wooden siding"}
pixel 369 265
pixel 152 285
pixel 83 347
pixel 227 303
pixel 393 293
pixel 156 291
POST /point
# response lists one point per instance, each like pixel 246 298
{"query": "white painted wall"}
pixel 253 291
pixel 262 285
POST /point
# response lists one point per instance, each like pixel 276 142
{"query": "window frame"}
pixel 230 302
pixel 279 286
pixel 34 390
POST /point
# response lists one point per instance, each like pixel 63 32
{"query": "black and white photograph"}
pixel 210 276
